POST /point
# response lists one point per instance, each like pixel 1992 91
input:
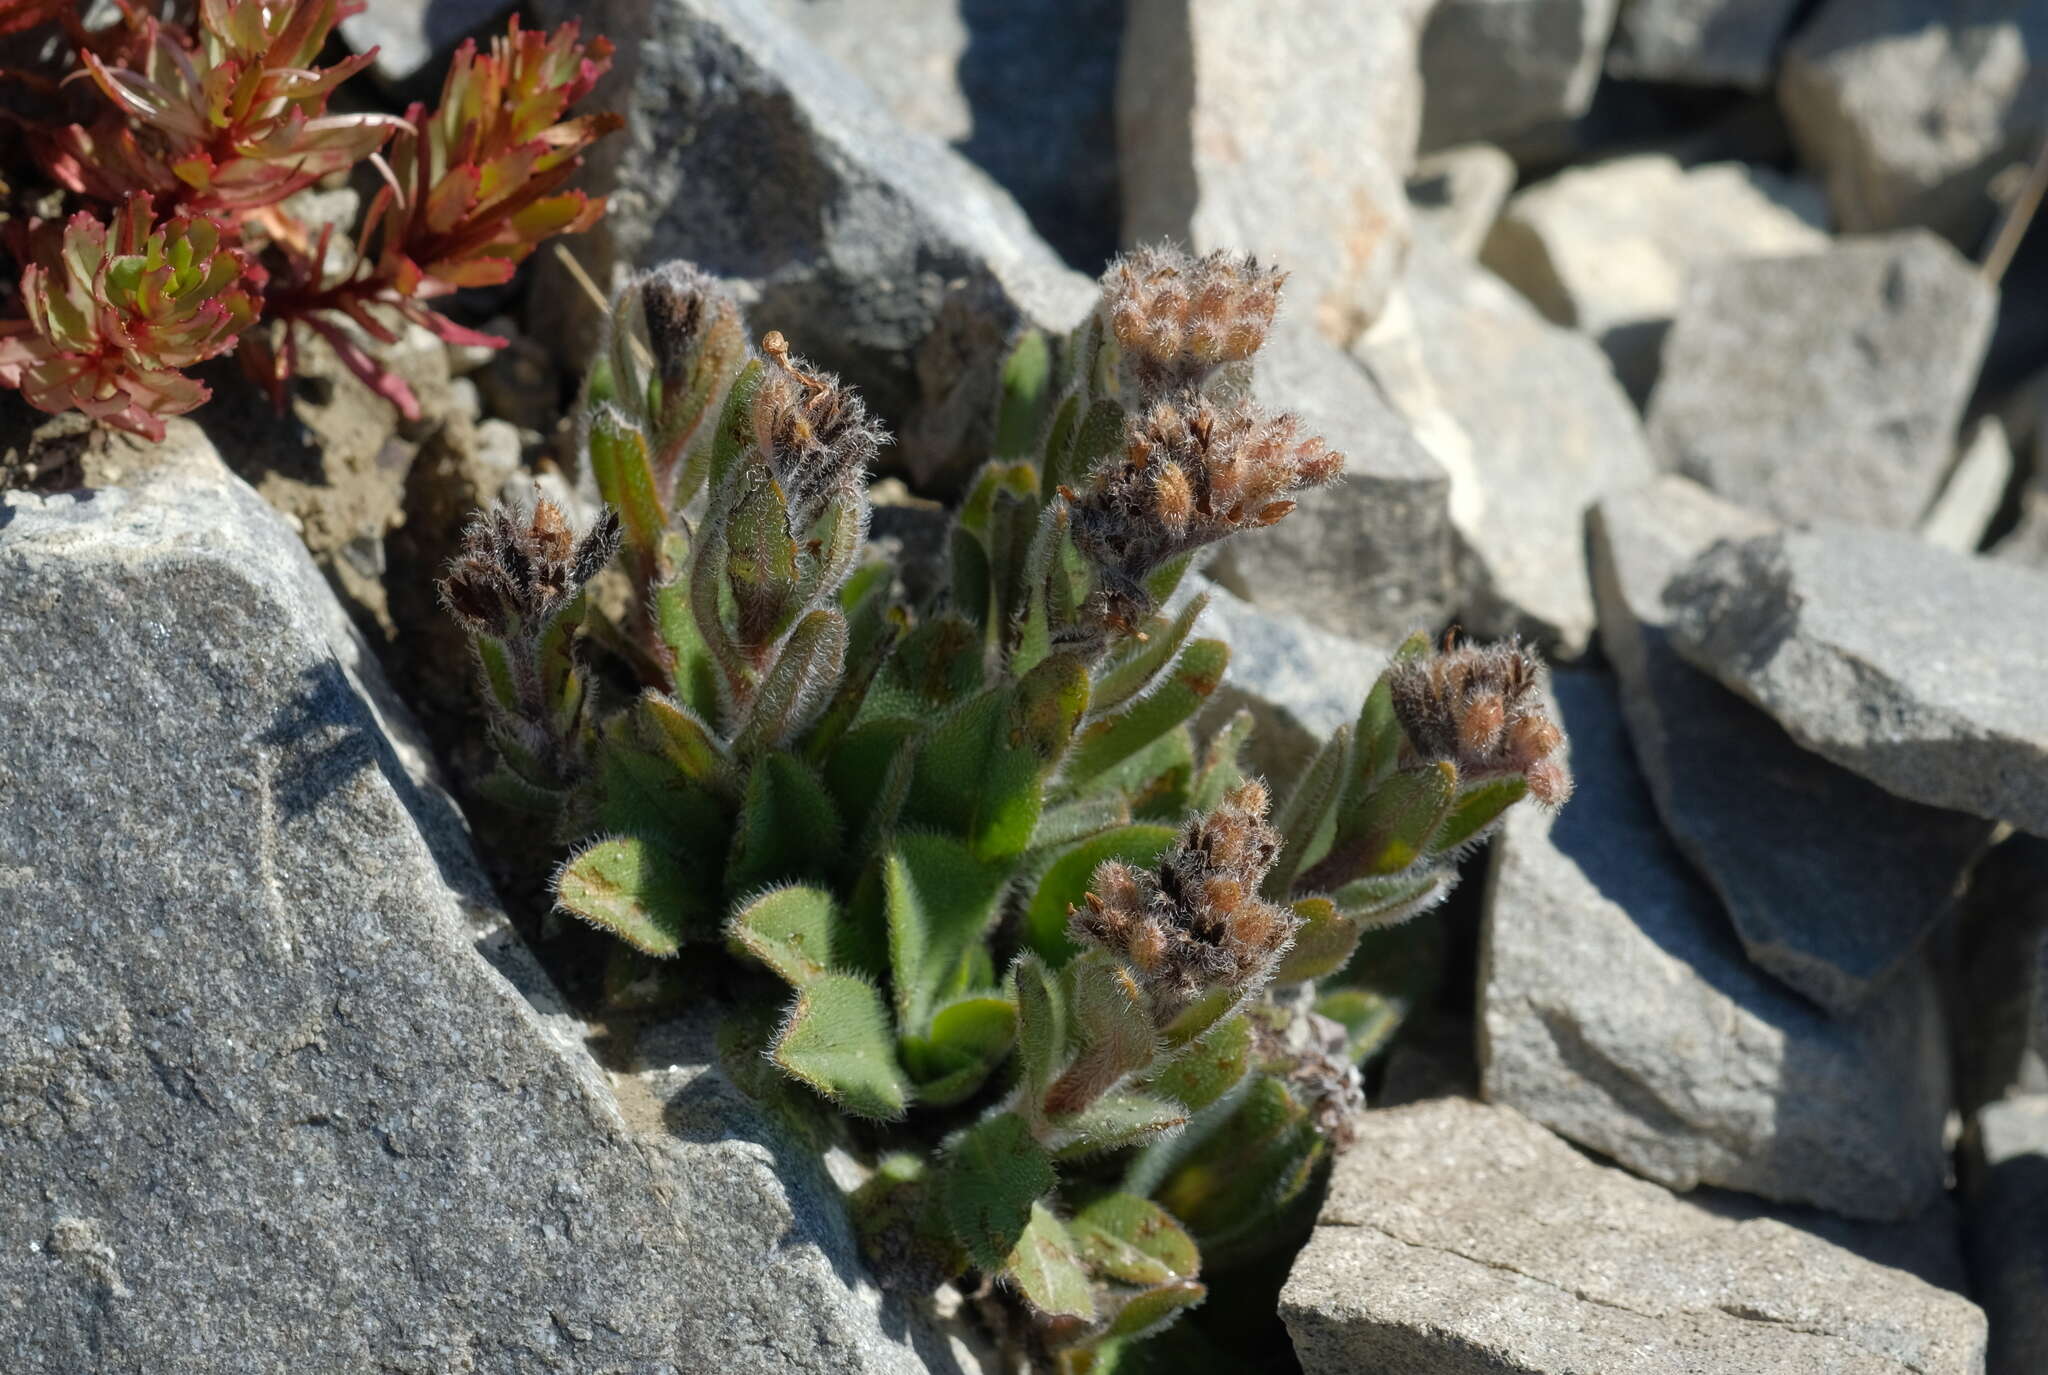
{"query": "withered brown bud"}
pixel 1195 922
pixel 1191 473
pixel 1179 318
pixel 814 432
pixel 511 576
pixel 690 318
pixel 1480 708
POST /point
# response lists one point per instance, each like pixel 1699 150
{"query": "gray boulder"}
pixel 1700 42
pixel 1456 194
pixel 1831 881
pixel 751 153
pixel 279 1089
pixel 1459 1238
pixel 1682 1060
pixel 1529 423
pixel 1494 68
pixel 1282 130
pixel 1914 666
pixel 1910 107
pixel 1372 556
pixel 2005 1178
pixel 1026 90
pixel 412 37
pixel 1825 385
pixel 1608 248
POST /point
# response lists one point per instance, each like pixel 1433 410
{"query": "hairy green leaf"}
pixel 942 901
pixel 839 1041
pixel 994 1173
pixel 1153 1309
pixel 790 930
pixel 1047 1270
pixel 1041 1023
pixel 1110 739
pixel 1208 1067
pixel 788 828
pixel 1025 390
pixel 969 1038
pixel 1134 1240
pixel 635 890
pixel 1477 808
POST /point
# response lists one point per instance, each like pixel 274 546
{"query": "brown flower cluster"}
pixel 814 433
pixel 1196 922
pixel 1191 473
pixel 1480 709
pixel 1180 318
pixel 511 578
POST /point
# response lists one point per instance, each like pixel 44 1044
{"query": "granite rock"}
pixel 1372 556
pixel 1825 385
pixel 1494 68
pixel 1283 130
pixel 1457 193
pixel 413 38
pixel 1608 248
pixel 1027 90
pixel 1914 666
pixel 1975 490
pixel 1909 108
pixel 751 153
pixel 1682 1060
pixel 1529 423
pixel 1459 1238
pixel 1700 42
pixel 1833 914
pixel 2005 1179
pixel 279 1088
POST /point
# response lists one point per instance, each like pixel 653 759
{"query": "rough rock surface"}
pixel 1682 1060
pixel 1493 68
pixel 1832 914
pixel 1371 556
pixel 1975 489
pixel 1460 1238
pixel 1825 386
pixel 1456 194
pixel 751 153
pixel 2005 1177
pixel 1700 42
pixel 1531 426
pixel 1025 89
pixel 1608 248
pixel 1910 107
pixel 1917 667
pixel 1281 130
pixel 278 1087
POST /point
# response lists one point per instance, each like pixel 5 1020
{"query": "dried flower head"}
pixel 1196 922
pixel 815 434
pixel 1191 473
pixel 1179 318
pixel 688 312
pixel 114 313
pixel 1313 1054
pixel 511 578
pixel 1480 708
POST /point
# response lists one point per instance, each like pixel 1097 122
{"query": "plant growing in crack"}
pixel 1074 984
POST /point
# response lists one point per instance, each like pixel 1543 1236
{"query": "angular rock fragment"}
pixel 2005 1179
pixel 1825 386
pixel 1909 108
pixel 1371 556
pixel 1975 489
pixel 1280 130
pixel 1528 421
pixel 1700 42
pixel 749 152
pixel 1456 194
pixel 1459 1238
pixel 267 1045
pixel 1998 980
pixel 1681 1060
pixel 1025 89
pixel 1493 68
pixel 1608 248
pixel 1917 667
pixel 1831 882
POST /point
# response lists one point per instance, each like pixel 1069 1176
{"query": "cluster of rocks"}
pixel 1648 330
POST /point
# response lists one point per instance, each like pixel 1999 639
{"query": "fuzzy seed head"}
pixel 687 312
pixel 1480 708
pixel 1195 922
pixel 813 432
pixel 511 577
pixel 1178 318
